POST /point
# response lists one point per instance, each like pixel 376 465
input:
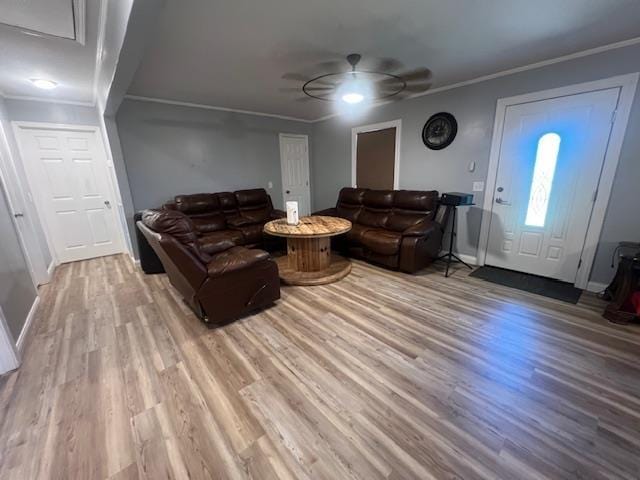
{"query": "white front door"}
pixel 294 162
pixel 551 156
pixel 68 174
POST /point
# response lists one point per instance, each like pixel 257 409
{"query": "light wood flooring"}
pixel 381 375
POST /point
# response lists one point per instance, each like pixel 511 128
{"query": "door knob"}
pixel 501 201
pixel 288 191
pixel 18 215
pixel 107 203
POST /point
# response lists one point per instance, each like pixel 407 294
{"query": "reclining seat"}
pixel 254 210
pixel 209 220
pixel 218 287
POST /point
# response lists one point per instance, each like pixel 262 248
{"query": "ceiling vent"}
pixel 52 18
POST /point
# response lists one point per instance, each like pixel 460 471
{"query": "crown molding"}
pixel 211 107
pixel 504 73
pixel 50 100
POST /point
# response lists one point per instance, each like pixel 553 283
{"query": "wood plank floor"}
pixel 381 375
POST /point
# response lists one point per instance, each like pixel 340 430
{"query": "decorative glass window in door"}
pixel 542 181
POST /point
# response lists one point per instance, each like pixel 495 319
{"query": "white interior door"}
pixel 294 162
pixel 551 157
pixel 68 173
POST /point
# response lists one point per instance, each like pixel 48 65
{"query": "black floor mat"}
pixel 529 283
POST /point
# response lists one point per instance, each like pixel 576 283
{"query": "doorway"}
pixel 375 155
pixel 294 165
pixel 551 170
pixel 67 172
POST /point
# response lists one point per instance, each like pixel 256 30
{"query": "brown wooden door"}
pixel 375 159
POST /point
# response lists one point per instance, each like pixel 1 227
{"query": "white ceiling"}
pixel 24 55
pixel 234 54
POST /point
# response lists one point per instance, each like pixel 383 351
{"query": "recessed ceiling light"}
pixel 43 83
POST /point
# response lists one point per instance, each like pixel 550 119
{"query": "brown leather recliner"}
pixel 399 229
pixel 218 287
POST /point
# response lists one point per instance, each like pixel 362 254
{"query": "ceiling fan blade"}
pixel 290 89
pixel 418 87
pixel 297 77
pixel 332 66
pixel 304 99
pixel 386 65
pixel 417 75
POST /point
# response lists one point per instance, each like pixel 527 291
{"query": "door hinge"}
pixel 613 115
pixel 595 195
pixel 579 264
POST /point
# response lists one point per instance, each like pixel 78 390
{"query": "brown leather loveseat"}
pixel 399 229
pixel 219 285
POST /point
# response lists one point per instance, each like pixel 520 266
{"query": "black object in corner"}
pixel 149 261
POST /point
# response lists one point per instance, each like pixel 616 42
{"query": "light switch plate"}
pixel 478 186
pixel 270 185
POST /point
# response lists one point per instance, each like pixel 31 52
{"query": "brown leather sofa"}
pixel 399 229
pixel 219 285
pixel 221 220
pixel 229 218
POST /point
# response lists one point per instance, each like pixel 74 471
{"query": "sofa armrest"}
pixel 422 229
pixel 329 212
pixel 275 214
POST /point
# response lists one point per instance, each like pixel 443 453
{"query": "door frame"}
pixel 397 124
pixel 9 356
pixel 281 136
pixel 627 84
pixel 113 188
pixel 11 182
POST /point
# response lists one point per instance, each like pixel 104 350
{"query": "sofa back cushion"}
pixel 377 206
pixel 196 203
pixel 254 205
pixel 410 207
pixel 350 203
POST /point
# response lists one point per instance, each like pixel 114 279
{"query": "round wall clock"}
pixel 439 131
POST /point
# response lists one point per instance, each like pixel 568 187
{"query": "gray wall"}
pixel 170 150
pixel 33 111
pixel 474 107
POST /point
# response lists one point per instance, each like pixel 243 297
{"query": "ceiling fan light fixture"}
pixel 352 98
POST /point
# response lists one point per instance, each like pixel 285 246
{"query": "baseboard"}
pixel 596 287
pixel 470 259
pixel 50 269
pixel 27 325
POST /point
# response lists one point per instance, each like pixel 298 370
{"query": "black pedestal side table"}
pixel 450 255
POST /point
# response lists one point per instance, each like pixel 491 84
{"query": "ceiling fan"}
pixel 358 85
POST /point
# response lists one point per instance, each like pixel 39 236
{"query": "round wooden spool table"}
pixel 309 260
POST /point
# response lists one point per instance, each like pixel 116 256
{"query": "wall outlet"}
pixel 270 185
pixel 478 186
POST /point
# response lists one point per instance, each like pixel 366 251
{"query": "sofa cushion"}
pixel 351 196
pixel 171 222
pixel 383 242
pixel 355 234
pixel 219 241
pixel 251 233
pixel 233 259
pixel 197 203
pixel 378 199
pixel 252 197
pixel 398 221
pixel 227 201
pixel 422 201
pixel 209 222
